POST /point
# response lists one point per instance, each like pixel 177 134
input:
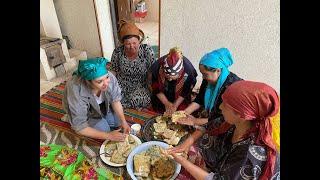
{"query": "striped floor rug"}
pixel 55 131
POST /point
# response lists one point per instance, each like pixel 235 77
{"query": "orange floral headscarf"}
pixel 128 28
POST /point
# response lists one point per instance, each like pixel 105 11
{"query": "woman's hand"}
pixel 169 109
pixel 173 108
pixel 126 128
pixel 189 120
pixel 116 135
pixel 177 156
pixel 182 148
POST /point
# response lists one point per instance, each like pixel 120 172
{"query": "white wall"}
pixel 249 28
pixel 153 10
pixel 105 26
pixel 42 33
pixel 49 20
pixel 77 21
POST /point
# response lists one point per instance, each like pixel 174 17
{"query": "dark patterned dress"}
pixel 175 88
pixel 132 76
pixel 241 160
pixel 215 117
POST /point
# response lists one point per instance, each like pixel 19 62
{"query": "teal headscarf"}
pixel 92 68
pixel 222 59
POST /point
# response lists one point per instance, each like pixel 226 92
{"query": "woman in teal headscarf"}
pixel 92 102
pixel 216 78
pixel 216 62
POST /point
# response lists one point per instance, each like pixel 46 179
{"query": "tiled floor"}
pixel 151 31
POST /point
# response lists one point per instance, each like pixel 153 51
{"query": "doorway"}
pixel 144 13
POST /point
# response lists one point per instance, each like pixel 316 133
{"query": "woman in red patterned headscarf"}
pixel 248 148
pixel 173 78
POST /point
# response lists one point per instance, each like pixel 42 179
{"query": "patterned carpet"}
pixel 55 131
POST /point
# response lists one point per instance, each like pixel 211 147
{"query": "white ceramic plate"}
pixel 107 159
pixel 144 147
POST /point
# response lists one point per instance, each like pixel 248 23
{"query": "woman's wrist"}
pixel 179 159
pixel 193 121
pixel 177 103
pixel 186 111
pixel 200 128
pixel 175 106
pixel 123 121
pixel 106 135
pixel 168 103
pixel 189 141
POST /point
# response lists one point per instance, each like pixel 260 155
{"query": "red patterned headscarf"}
pixel 172 64
pixel 257 102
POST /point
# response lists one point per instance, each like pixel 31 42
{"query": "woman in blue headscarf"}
pixel 216 78
pixel 87 99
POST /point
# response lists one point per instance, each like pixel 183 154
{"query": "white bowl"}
pixel 143 147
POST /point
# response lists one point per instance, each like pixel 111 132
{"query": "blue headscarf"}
pixel 92 68
pixel 222 59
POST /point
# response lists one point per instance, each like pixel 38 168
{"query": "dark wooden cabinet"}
pixel 125 10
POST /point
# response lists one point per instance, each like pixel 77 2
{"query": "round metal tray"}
pixel 148 129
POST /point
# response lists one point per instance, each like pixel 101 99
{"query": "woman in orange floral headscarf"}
pixel 131 63
pixel 248 149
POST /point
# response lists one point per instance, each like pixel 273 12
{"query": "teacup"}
pixel 135 129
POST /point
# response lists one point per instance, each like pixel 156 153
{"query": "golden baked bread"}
pixel 160 127
pixel 120 150
pixel 131 140
pixel 168 133
pixel 177 115
pixel 141 164
pixel 159 119
pixel 117 157
pixel 110 147
pixel 174 140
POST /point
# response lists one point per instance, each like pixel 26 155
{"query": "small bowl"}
pixel 143 147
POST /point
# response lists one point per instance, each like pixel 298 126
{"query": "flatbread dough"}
pixel 159 119
pixel 174 140
pixel 120 150
pixel 117 157
pixel 153 164
pixel 168 133
pixel 160 127
pixel 177 115
pixel 141 165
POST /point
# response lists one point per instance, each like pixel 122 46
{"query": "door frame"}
pixel 114 21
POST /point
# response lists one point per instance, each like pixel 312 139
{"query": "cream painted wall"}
pixel 49 19
pixel 42 33
pixel 153 10
pixel 249 28
pixel 77 21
